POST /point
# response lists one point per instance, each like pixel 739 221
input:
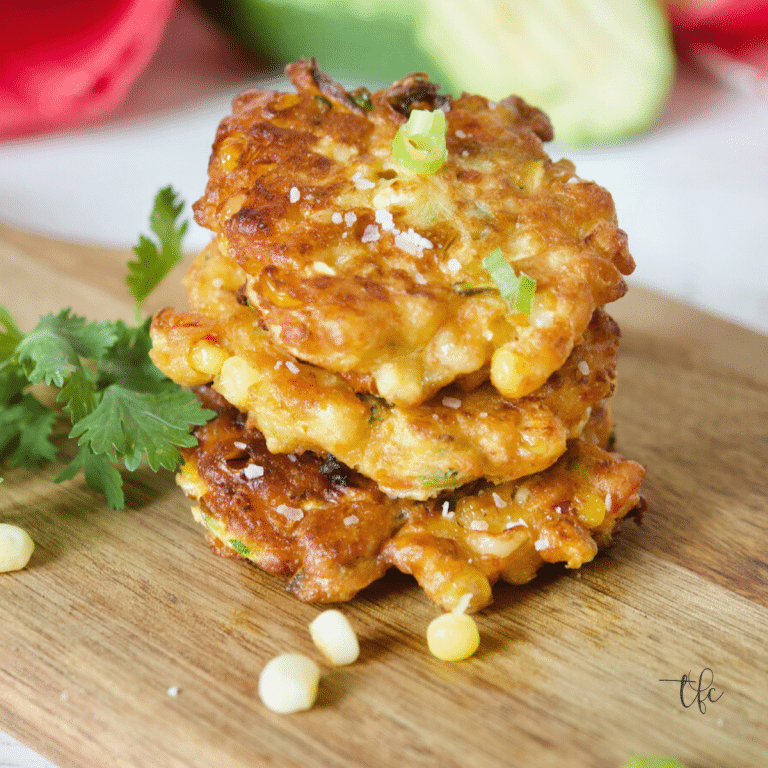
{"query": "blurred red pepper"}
pixel 63 62
pixel 730 37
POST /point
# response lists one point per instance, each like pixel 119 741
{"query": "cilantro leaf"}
pixel 26 427
pixel 100 475
pixel 51 352
pixel 128 363
pixel 120 405
pixel 12 382
pixel 153 264
pixel 127 424
pixel 12 335
pixel 78 395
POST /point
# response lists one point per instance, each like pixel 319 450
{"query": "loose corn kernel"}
pixel 288 683
pixel 207 357
pixel 16 547
pixel 454 636
pixel 333 635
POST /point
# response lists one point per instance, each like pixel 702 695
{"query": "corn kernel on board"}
pixel 116 608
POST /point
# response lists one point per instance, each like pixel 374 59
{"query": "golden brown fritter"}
pixel 416 452
pixel 332 531
pixel 362 267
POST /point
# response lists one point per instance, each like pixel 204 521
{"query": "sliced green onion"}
pixel 518 291
pixel 525 293
pixel 419 145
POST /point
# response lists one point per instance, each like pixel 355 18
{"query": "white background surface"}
pixel 692 194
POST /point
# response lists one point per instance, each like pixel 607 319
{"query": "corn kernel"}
pixel 288 683
pixel 16 548
pixel 590 508
pixel 234 381
pixel 232 205
pixel 333 635
pixel 508 372
pixel 453 636
pixel 207 357
pixel 230 151
pixel 276 294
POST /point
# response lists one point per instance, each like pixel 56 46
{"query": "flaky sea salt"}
pixel 452 402
pixel 360 182
pixel 336 217
pixel 453 265
pixel 351 520
pixel 370 234
pixel 291 366
pixel 292 514
pixel 479 525
pixel 252 471
pixel 384 218
pixel 294 195
pixel 498 501
pixel 412 242
pixel 350 217
pixel 583 367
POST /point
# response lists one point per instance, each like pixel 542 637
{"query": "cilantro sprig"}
pixel 119 406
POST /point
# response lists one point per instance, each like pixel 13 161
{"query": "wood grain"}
pixel 116 608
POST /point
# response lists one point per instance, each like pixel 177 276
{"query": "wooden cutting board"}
pixel 576 669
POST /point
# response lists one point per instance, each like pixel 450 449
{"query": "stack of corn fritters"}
pixel 379 403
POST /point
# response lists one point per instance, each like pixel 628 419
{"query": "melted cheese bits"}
pixel 288 683
pixel 334 637
pixel 16 548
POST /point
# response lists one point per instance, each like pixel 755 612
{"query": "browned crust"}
pixel 355 316
pixel 349 532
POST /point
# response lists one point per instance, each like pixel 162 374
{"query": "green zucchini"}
pixel 601 70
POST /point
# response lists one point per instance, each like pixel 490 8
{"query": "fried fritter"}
pixel 362 267
pixel 333 532
pixel 415 452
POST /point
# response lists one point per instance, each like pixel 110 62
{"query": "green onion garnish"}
pixel 419 145
pixel 521 289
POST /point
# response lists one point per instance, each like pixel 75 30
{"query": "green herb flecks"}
pixel 440 478
pixel 239 547
pixel 473 289
pixel 119 405
pixel 361 97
